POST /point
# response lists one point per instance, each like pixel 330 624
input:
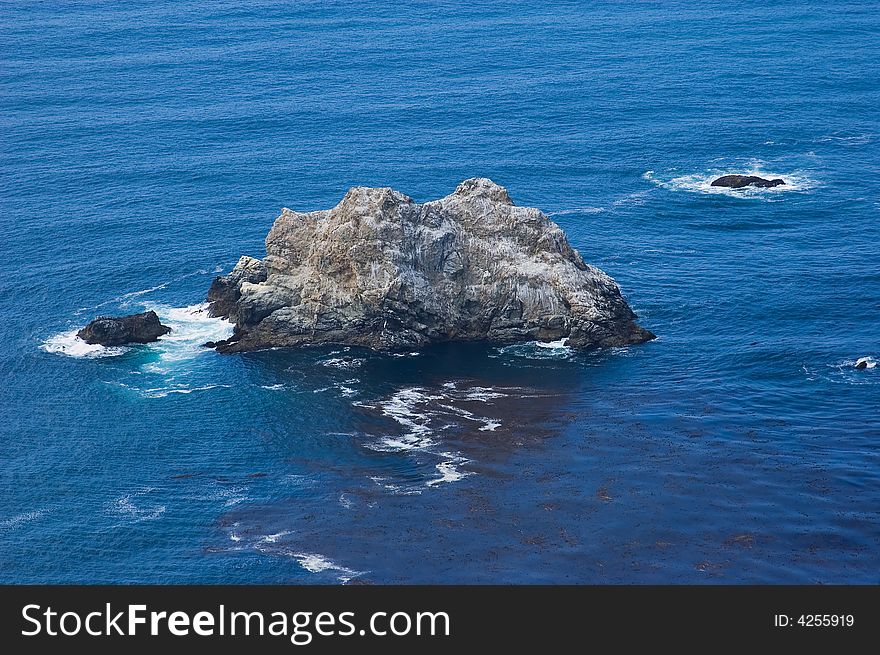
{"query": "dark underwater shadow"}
pixel 415 449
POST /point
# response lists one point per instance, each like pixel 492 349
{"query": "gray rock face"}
pixel 224 292
pixel 740 181
pixel 382 271
pixel 118 331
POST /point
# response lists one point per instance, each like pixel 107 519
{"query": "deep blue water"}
pixel 146 146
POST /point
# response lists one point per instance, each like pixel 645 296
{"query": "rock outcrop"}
pixel 118 331
pixel 225 290
pixel 382 271
pixel 740 181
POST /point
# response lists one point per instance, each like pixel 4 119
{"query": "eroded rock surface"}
pixel 382 271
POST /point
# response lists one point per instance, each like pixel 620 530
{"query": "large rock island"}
pixel 382 271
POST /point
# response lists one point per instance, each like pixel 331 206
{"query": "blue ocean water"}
pixel 146 146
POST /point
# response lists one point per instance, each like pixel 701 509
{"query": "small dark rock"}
pixel 118 331
pixel 862 364
pixel 741 181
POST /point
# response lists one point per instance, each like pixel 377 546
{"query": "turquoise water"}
pixel 145 147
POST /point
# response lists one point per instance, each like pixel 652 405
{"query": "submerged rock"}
pixel 382 271
pixel 740 181
pixel 118 331
pixel 863 363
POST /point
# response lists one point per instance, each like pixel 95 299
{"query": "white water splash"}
pixel 845 372
pixel 702 182
pixel 67 343
pixel 190 328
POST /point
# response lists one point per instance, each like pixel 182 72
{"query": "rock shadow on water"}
pixel 422 440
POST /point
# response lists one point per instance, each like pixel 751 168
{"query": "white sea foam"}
pixel 702 182
pixel 845 372
pixel 129 298
pixel 142 292
pixel 343 362
pixel 848 139
pixel 560 343
pixel 577 210
pixel 315 563
pixel 538 350
pixel 125 506
pixel 67 343
pixel 670 251
pixel 311 562
pixel 405 442
pixel 123 300
pixel 346 391
pixel 191 327
pixel 273 538
pixel 449 472
pixel 424 416
pixel 20 519
pixel 487 423
pixel 395 489
pixel 227 495
pixel 483 394
pixel 402 407
pixel 848 366
pixel 272 387
pixel 162 392
pixel 634 198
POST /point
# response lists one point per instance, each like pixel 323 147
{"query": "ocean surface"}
pixel 145 146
